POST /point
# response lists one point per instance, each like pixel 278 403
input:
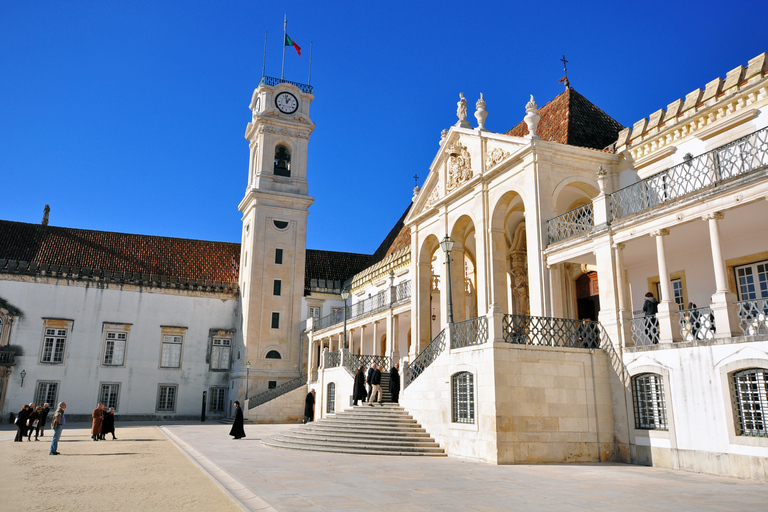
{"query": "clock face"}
pixel 286 103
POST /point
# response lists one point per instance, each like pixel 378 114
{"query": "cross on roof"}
pixel 564 80
pixel 416 179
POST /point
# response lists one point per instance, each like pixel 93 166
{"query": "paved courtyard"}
pixel 143 469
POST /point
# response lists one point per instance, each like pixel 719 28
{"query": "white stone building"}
pixel 530 346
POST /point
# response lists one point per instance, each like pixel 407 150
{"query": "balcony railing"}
pixel 737 158
pixel 7 358
pixel 385 299
pixel 469 332
pixel 696 324
pixel 753 317
pixel 332 359
pixel 645 330
pixel 273 393
pixel 552 332
pixel 572 223
pixel 269 80
pixel 423 360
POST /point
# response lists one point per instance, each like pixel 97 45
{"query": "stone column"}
pixel 724 309
pixel 667 306
pixel 625 316
pixel 362 339
pixel 497 275
pixel 375 346
pixel 390 333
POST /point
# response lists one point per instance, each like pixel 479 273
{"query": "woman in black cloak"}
pixel 237 427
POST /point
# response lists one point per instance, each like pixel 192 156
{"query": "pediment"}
pixel 743 354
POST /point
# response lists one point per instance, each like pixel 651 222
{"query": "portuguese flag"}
pixel 289 42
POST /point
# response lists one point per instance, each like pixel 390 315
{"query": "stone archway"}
pixel 517 261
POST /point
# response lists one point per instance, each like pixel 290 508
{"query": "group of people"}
pixel 31 419
pixel 372 393
pixel 103 423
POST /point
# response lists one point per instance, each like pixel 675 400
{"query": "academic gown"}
pixel 237 427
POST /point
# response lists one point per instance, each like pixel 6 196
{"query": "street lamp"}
pixel 23 374
pixel 447 245
pixel 345 296
pixel 247 374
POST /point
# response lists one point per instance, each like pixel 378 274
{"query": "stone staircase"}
pixel 364 429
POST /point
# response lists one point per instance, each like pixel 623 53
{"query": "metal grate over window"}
pixel 648 397
pixel 750 400
pixel 218 399
pixel 331 398
pixel 463 398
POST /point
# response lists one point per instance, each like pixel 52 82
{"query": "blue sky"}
pixel 130 116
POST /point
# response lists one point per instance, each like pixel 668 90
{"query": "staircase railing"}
pixel 423 360
pixel 469 332
pixel 273 393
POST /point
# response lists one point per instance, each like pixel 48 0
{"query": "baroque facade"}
pixel 511 290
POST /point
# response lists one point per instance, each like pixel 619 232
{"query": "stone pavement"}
pixel 263 478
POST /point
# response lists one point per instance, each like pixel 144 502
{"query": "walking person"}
pixel 368 381
pixel 358 390
pixel 43 419
pixel 237 430
pixel 98 417
pixel 21 423
pixel 376 385
pixel 309 407
pixel 57 424
pixel 394 383
pixel 33 422
pixel 108 424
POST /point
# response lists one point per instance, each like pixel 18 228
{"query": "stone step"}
pixel 304 437
pixel 362 430
pixel 355 451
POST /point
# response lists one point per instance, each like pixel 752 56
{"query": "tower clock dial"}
pixel 286 103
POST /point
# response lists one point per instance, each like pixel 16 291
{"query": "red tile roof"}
pixel 119 252
pixel 333 266
pixel 572 119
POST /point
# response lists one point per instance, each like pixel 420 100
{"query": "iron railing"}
pixel 753 316
pixel 552 332
pixel 368 360
pixel 270 80
pixel 469 332
pixel 696 324
pixel 332 359
pixel 736 158
pixel 645 330
pixel 273 393
pixel 7 359
pixel 423 360
pixel 379 302
pixel 572 223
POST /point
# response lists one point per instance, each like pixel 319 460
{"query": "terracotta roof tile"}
pixel 120 252
pixel 572 119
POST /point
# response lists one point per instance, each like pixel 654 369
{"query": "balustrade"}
pixel 753 316
pixel 332 359
pixel 645 330
pixel 469 332
pixel 424 359
pixel 571 223
pixel 273 393
pixel 552 332
pixel 696 324
pixel 382 300
pixel 270 80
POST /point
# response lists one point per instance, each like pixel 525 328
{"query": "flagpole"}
pixel 311 46
pixel 285 32
pixel 264 65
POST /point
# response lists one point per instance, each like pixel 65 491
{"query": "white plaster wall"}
pixel 82 372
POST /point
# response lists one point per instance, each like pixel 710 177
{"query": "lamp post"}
pixel 345 296
pixel 23 374
pixel 247 375
pixel 447 245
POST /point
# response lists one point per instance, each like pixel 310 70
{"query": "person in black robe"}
pixel 394 383
pixel 237 429
pixel 108 424
pixel 43 419
pixel 358 391
pixel 309 407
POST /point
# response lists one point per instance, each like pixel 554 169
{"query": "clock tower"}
pixel 273 247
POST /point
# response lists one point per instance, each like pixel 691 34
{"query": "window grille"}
pixel 166 398
pixel 218 399
pixel 330 399
pixel 648 398
pixel 46 393
pixel 114 351
pixel 109 394
pixel 220 353
pixel 750 397
pixel 53 346
pixel 463 398
pixel 171 357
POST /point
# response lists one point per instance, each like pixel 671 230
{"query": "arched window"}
pixel 273 354
pixel 750 401
pixel 330 398
pixel 648 397
pixel 282 161
pixel 463 398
